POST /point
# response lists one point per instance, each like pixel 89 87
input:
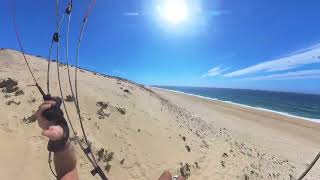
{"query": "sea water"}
pixel 293 104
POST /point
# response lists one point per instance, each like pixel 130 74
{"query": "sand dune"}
pixel 151 130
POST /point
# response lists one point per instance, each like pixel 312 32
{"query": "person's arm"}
pixel 65 161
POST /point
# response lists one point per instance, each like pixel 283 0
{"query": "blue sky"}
pixel 272 45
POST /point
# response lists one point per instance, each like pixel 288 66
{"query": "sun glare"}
pixel 173 11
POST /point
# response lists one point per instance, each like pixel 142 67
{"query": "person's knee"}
pixel 166 175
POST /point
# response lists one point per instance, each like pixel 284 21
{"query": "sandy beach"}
pixel 150 130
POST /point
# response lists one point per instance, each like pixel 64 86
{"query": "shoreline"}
pixel 243 105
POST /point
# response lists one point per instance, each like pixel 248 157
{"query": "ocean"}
pixel 295 104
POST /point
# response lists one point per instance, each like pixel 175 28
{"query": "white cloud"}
pixel 305 74
pixel 299 58
pixel 215 71
pixel 131 13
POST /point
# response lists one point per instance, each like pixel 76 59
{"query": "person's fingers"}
pixel 42 121
pixel 166 175
pixel 49 134
pixel 43 124
pixel 43 107
pixel 45 104
pixel 53 133
pixel 52 102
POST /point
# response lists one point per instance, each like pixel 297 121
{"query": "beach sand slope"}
pixel 150 130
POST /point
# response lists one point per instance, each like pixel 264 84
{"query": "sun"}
pixel 173 11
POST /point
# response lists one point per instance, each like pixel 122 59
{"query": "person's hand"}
pixel 53 132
